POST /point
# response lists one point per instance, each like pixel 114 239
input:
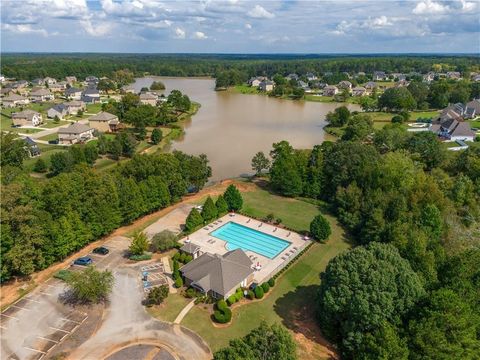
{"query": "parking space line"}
pixel 19 307
pixel 30 299
pixel 44 293
pixel 44 338
pixel 76 322
pixel 38 351
pixel 54 328
pixel 11 317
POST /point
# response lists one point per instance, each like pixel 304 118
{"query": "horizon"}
pixel 240 27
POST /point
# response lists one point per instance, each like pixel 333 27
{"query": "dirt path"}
pixel 13 290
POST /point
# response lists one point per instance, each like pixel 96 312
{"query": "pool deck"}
pixel 214 245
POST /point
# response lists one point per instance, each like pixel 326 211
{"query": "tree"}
pixel 359 127
pixel 419 91
pixel 40 166
pixel 139 243
pixel 221 205
pixel 368 103
pixel 349 305
pixel 157 295
pixel 426 147
pixel 384 343
pixel 157 85
pixel 164 240
pixel 56 119
pixel 445 328
pixel 396 99
pixel 209 210
pixel 260 162
pixel 194 220
pixel 285 175
pixel 320 228
pixel 12 151
pixel 90 285
pixel 339 117
pixel 233 198
pixel 265 342
pixel 156 136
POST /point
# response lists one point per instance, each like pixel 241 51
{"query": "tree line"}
pixel 44 222
pixel 409 289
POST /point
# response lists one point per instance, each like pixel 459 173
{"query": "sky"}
pixel 235 26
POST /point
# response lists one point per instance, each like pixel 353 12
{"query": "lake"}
pixel 230 128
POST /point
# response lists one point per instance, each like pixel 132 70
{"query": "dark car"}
pixel 102 250
pixel 84 261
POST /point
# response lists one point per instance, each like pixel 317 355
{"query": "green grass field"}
pixel 49 137
pixel 51 124
pixel 245 89
pixel 46 153
pixel 170 308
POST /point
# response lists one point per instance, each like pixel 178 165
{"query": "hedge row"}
pixel 144 256
pixel 292 261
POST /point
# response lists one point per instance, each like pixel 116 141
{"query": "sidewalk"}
pixel 184 312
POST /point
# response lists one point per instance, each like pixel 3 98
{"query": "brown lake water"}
pixel 230 128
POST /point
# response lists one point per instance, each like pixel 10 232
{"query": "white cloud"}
pixel 98 30
pixel 180 33
pixel 259 12
pixel 248 26
pixel 429 7
pixel 24 29
pixel 199 35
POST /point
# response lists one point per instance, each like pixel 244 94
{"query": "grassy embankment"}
pixel 291 301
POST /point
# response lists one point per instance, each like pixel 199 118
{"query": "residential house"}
pixel 49 81
pixel 292 77
pixel 472 109
pixel 91 80
pixel 37 82
pixel 429 77
pixel 58 87
pixel 402 83
pixel 330 90
pixel 5 91
pixel 73 107
pixel 148 98
pixel 75 133
pixel 71 79
pixel 104 122
pixel 303 85
pixel 266 85
pixel 128 89
pixel 255 81
pixel 475 77
pixel 90 95
pixel 453 130
pixel 192 249
pixel 14 100
pixel 41 95
pixel 20 84
pixel 73 93
pixel 26 118
pixel 31 147
pixel 453 75
pixel 379 76
pixel 311 76
pixel 359 91
pixel 59 110
pixel 219 275
pixel 345 85
pixel 370 86
pixel 398 76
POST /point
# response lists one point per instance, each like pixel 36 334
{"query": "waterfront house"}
pixel 345 85
pixel 148 98
pixel 359 91
pixel 266 85
pixel 303 85
pixel 104 122
pixel 26 118
pixel 219 275
pixel 255 81
pixel 13 100
pixel 330 90
pixel 41 95
pixel 75 133
pixel 73 93
pixel 59 110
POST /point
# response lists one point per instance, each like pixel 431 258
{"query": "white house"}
pixel 26 118
pixel 73 93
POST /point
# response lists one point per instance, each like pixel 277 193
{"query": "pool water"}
pixel 241 237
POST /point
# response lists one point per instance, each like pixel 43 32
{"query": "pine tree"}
pixel 194 219
pixel 209 211
pixel 222 206
pixel 233 198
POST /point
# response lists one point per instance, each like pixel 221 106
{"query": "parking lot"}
pixel 35 324
pixel 153 275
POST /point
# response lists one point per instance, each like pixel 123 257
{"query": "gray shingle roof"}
pixel 25 114
pixel 102 116
pixel 190 248
pixel 74 129
pixel 219 273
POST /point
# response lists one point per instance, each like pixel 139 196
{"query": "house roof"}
pixel 74 129
pixel 190 248
pixel 25 114
pixel 73 90
pixel 358 88
pixel 14 97
pixel 61 108
pixel 219 273
pixel 74 103
pixel 102 116
pixel 475 104
pixel 148 96
pixel 30 141
pixel 91 91
pixel 41 92
pixel 463 129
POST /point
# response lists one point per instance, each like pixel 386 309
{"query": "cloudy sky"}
pixel 235 26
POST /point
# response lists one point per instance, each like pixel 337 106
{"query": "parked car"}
pixel 83 261
pixel 102 250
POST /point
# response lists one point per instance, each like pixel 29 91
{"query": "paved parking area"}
pixel 155 274
pixel 35 324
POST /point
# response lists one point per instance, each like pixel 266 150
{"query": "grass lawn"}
pixel 170 308
pixel 245 89
pixel 46 153
pixel 475 123
pixel 94 108
pixel 103 163
pixel 49 137
pixel 52 124
pixel 292 299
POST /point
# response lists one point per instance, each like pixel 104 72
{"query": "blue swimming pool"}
pixel 241 237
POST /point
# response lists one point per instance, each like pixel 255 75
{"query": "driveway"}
pixel 171 221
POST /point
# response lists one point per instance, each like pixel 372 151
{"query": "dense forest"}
pixel 30 66
pixel 45 221
pixel 409 289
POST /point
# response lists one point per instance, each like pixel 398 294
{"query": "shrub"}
pixel 176 266
pixel 182 257
pixel 178 282
pixel 265 287
pixel 176 256
pixel 63 275
pixel 251 295
pixel 176 274
pixel 278 221
pixel 188 258
pixel 190 293
pixel 271 282
pixel 269 218
pixel 139 243
pixel 143 257
pixel 157 295
pixel 222 304
pixel 223 314
pixel 164 240
pixel 90 285
pixel 231 300
pixel 397 119
pixel 320 228
pixel 40 166
pixel 259 292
